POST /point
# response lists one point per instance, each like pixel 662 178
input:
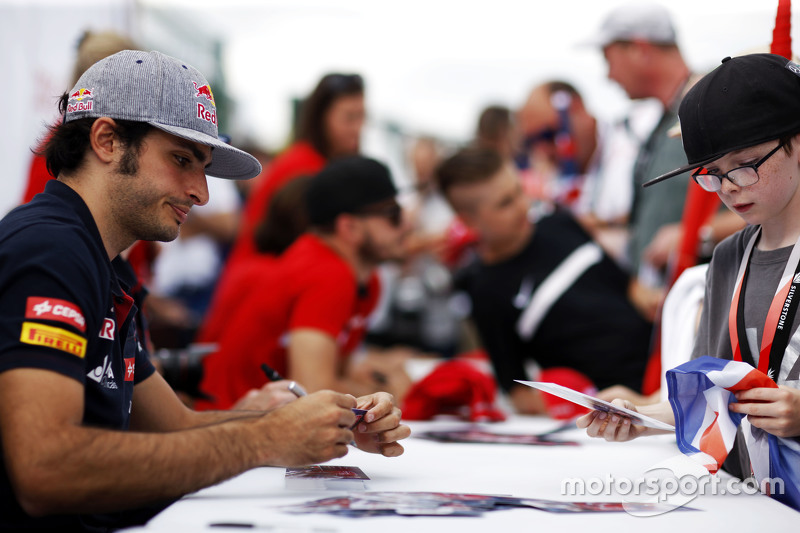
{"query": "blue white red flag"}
pixel 699 393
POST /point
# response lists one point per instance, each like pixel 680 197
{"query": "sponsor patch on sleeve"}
pixel 130 368
pixel 42 308
pixel 52 337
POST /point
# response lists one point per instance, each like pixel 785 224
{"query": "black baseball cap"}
pixel 746 101
pixel 347 185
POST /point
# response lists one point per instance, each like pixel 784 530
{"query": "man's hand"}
pixel 776 411
pixel 382 370
pixel 663 245
pixel 381 428
pixel 527 401
pixel 645 299
pixel 271 396
pixel 312 429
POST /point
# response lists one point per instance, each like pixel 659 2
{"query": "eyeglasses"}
pixel 393 213
pixel 741 176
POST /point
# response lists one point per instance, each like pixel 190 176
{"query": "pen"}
pixel 272 375
pixel 287 527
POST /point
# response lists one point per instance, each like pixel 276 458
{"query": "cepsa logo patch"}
pixel 51 337
pixel 54 309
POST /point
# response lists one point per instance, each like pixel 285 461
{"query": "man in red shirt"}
pixel 307 310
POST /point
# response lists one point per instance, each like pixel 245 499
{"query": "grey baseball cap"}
pixel 164 92
pixel 637 21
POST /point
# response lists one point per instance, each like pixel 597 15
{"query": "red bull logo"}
pixel 81 100
pixel 80 106
pixel 209 115
pixel 205 92
pixel 80 94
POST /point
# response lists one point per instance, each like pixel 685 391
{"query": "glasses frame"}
pixel 718 185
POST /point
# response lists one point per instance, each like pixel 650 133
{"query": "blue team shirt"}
pixel 65 307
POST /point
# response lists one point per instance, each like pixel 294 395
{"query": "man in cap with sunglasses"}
pixel 741 133
pixel 92 438
pixel 307 310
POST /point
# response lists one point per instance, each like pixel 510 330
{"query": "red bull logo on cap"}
pixel 80 94
pixel 76 101
pixel 204 91
pixel 209 114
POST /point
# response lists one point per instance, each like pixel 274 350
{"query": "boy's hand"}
pixel 616 428
pixel 776 411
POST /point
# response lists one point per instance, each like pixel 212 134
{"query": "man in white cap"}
pixel 139 134
pixel 639 44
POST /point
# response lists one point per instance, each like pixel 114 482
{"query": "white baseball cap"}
pixel 638 21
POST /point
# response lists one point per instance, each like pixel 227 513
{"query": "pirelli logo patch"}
pixel 52 337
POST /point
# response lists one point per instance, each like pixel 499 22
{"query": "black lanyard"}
pixel 780 316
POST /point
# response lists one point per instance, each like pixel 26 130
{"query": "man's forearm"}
pixel 146 467
pixel 200 419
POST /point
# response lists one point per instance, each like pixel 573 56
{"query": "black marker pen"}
pixel 272 375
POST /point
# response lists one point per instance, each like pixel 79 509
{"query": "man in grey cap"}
pixel 138 136
pixel 639 44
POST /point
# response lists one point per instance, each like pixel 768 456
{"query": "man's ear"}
pixel 349 228
pixel 104 140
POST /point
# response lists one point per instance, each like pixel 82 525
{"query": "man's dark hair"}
pixel 468 166
pixel 286 218
pixel 786 141
pixel 493 124
pixel 67 143
pixel 311 127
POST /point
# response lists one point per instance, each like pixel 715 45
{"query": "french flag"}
pixel 699 393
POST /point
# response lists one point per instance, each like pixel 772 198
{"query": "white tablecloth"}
pixel 515 470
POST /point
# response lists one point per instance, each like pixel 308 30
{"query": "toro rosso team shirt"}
pixel 66 308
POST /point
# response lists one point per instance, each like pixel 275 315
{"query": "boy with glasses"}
pixel 741 131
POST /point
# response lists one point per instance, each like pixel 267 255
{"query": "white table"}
pixel 516 470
